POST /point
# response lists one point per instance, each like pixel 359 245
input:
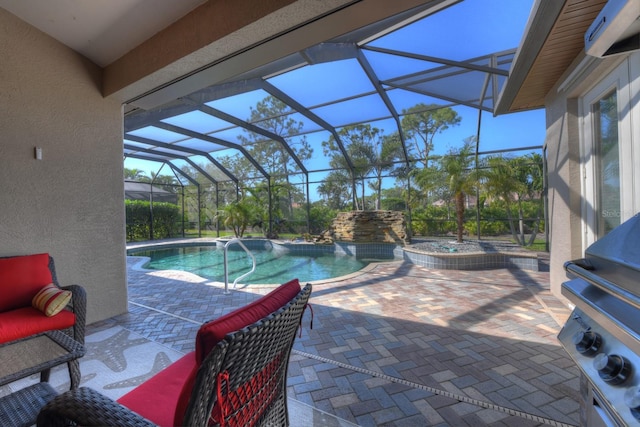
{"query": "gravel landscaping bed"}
pixel 467 246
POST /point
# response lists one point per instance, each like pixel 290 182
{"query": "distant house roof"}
pixel 146 191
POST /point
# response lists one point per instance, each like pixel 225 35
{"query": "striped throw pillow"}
pixel 51 300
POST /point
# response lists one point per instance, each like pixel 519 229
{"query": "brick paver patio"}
pixel 398 344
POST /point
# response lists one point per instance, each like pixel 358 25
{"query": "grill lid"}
pixel 616 256
pixel 621 246
pixel 612 264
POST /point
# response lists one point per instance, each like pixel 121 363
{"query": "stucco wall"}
pixel 564 186
pixel 69 204
pixel 565 173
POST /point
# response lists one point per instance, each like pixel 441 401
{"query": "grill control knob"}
pixel 632 400
pixel 613 369
pixel 587 343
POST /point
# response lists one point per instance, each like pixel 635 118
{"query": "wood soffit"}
pixel 563 43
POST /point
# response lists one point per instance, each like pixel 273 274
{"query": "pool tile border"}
pixel 473 261
pixel 379 251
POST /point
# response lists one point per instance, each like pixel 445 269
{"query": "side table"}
pixel 32 355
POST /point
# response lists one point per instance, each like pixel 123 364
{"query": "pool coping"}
pixel 381 252
pixel 138 265
pixel 377 251
pixel 473 260
pixel 173 274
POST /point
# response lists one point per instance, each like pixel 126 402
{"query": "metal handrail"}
pixel 226 269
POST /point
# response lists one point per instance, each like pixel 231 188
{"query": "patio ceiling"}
pixel 368 76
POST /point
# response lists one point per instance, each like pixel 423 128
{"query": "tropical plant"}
pixel 166 182
pixel 134 174
pixel 515 181
pixel 370 155
pixel 237 216
pixel 320 217
pixel 420 125
pixel 432 221
pixel 461 178
pixel 271 222
pixel 432 184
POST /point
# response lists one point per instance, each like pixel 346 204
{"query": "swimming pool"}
pixel 273 266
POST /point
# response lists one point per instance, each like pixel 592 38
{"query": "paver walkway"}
pixel 398 344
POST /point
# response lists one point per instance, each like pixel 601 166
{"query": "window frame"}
pixel 624 81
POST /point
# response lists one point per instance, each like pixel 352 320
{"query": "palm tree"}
pixel 515 180
pixel 134 174
pixel 237 216
pixel 432 182
pixel 461 178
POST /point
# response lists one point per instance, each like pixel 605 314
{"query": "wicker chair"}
pixel 78 306
pixel 240 382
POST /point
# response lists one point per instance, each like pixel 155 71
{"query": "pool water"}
pixel 272 266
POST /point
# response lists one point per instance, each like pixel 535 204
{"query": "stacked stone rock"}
pixel 367 227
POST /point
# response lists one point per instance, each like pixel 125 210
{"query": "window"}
pixel 609 161
pixel 606 149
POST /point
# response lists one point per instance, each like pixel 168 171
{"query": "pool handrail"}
pixel 226 269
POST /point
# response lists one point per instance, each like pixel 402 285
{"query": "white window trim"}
pixel 625 79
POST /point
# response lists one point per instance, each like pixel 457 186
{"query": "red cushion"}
pixel 185 394
pixel 22 322
pixel 51 300
pixel 156 398
pixel 212 332
pixel 21 277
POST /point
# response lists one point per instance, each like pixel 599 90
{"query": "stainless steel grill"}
pixel 602 334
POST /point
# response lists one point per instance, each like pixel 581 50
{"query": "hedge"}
pixel 138 217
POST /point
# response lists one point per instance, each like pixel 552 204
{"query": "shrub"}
pixel 138 220
pixel 393 204
pixel 432 221
pixel 487 227
pixel 320 218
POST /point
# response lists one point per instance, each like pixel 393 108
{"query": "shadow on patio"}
pixel 399 345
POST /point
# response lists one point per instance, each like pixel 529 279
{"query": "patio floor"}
pixel 396 344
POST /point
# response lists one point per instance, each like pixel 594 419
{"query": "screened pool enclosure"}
pixel 373 119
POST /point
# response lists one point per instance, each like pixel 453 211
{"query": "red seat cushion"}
pixel 156 398
pixel 21 277
pixel 163 399
pixel 22 322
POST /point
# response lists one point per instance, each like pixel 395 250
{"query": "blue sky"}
pixel 466 30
